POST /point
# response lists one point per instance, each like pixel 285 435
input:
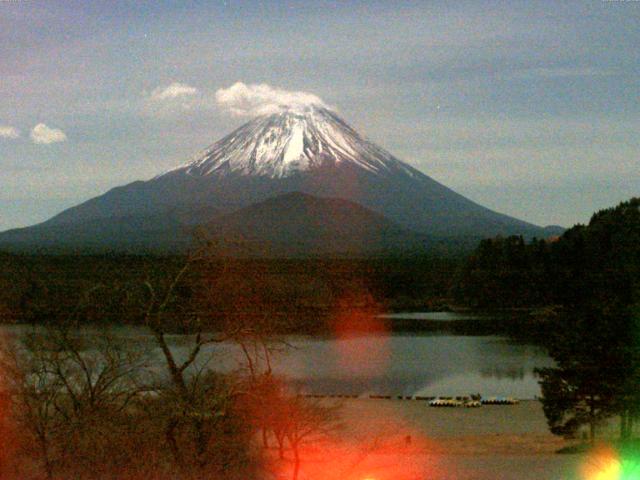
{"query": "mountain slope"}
pixel 301 224
pixel 309 150
pixel 159 233
pixel 292 224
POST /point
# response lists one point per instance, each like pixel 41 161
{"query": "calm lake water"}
pixel 428 364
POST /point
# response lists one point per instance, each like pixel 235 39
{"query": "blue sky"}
pixel 529 108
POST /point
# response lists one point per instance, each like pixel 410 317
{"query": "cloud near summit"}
pixel 262 99
pixel 175 90
pixel 7 131
pixel 45 135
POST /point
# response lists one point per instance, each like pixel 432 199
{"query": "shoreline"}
pixel 404 440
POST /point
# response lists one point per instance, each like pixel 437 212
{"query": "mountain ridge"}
pixel 314 226
pixel 312 151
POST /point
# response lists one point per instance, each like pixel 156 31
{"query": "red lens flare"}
pixel 8 437
pixel 355 321
pixel 391 457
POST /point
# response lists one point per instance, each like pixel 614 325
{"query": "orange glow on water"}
pixel 357 316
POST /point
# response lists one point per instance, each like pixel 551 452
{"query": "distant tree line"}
pixel 42 288
pixel 589 265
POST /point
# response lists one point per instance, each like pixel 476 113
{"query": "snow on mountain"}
pixel 294 140
pixel 307 149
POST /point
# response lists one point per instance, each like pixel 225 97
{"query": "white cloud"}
pixel 262 99
pixel 7 131
pixel 175 90
pixel 45 135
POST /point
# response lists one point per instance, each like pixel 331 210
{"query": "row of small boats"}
pixel 468 402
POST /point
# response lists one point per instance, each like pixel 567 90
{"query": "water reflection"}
pixel 420 365
pixel 511 373
pixel 413 364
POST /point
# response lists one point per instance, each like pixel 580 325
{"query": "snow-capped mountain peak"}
pixel 308 150
pixel 293 140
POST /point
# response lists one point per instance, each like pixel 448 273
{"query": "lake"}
pixel 428 365
pixel 425 364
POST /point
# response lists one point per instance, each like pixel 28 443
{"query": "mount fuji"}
pixel 304 149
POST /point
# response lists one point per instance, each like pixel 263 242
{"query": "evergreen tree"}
pixel 592 372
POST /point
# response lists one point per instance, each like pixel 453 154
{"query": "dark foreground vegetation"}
pixel 78 405
pixel 88 407
pixel 586 286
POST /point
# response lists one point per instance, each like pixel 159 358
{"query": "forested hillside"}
pixel 45 288
pixel 594 264
pixel 590 277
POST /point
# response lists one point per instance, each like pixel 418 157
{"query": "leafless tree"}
pixel 304 421
pixel 69 388
pixel 197 404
